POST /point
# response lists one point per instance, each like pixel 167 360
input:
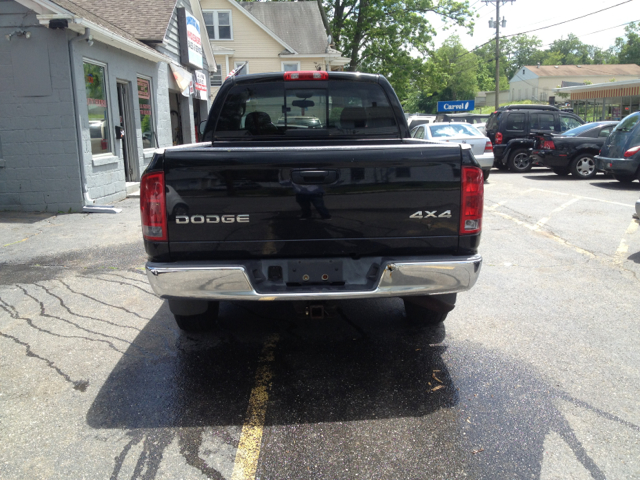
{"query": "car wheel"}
pixel 624 178
pixel 429 309
pixel 520 161
pixel 562 171
pixel 486 172
pixel 194 315
pixel 584 166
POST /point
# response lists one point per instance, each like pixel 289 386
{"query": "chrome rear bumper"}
pixel 218 281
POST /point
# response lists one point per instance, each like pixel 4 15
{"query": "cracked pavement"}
pixel 537 369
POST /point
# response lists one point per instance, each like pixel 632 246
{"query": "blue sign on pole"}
pixel 454 106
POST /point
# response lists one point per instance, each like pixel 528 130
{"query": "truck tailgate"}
pixel 338 200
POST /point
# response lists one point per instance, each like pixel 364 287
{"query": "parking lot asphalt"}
pixel 535 374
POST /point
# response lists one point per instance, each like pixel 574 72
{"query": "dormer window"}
pixel 218 24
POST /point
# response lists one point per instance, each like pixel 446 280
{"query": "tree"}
pixel 386 36
pixel 521 50
pixel 451 75
pixel 486 59
pixel 628 48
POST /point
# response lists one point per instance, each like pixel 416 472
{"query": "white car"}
pixel 459 132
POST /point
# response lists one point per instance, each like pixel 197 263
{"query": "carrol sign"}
pixel 454 106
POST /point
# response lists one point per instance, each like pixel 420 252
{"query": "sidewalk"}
pixel 25 236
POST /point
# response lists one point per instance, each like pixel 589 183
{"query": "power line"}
pixel 549 26
pixel 610 28
pixel 567 21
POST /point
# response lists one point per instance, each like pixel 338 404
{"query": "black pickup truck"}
pixel 345 205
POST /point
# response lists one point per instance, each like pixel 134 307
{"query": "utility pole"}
pixel 496 25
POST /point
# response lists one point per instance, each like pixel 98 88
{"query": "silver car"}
pixel 459 132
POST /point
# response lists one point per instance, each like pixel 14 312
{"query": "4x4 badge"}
pixel 433 214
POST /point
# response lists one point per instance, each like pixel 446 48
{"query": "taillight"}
pixel 488 147
pixel 152 207
pixel 472 200
pixel 548 145
pixel 306 75
pixel 498 138
pixel 632 151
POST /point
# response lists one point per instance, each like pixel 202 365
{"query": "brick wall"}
pixel 39 159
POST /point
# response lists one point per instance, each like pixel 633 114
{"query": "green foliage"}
pixel 491 108
pixel 628 48
pixel 383 36
pixel 450 75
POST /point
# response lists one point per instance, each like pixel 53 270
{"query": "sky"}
pixel 524 15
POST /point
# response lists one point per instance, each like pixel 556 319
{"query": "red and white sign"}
pixel 201 85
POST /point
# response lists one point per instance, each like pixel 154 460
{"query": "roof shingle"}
pixel 585 70
pixel 298 24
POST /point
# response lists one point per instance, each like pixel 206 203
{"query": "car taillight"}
pixel 488 147
pixel 472 200
pixel 152 207
pixel 548 145
pixel 306 75
pixel 632 151
pixel 498 138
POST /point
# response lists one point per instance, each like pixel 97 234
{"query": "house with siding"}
pixel 268 37
pixel 88 90
pixel 539 82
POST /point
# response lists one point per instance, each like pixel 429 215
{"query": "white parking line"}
pixel 544 220
pixel 580 197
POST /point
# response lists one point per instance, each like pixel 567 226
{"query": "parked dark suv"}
pixel 509 127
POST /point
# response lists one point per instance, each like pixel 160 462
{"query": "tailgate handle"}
pixel 315 177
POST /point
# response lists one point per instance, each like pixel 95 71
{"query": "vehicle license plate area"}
pixel 319 272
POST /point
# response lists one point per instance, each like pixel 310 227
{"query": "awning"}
pixel 184 79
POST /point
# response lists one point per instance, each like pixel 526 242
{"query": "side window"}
pixel 146 113
pixel 97 106
pixel 218 23
pixel 216 78
pixel 567 123
pixel 515 122
pixel 542 121
pixel 420 132
pixel 605 132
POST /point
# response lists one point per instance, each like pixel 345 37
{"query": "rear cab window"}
pixel 339 109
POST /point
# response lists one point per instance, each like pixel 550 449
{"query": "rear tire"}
pixel 486 172
pixel 194 315
pixel 520 161
pixel 584 166
pixel 429 309
pixel 624 178
pixel 561 171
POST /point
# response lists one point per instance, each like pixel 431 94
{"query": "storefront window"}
pixel 613 109
pixel 598 109
pixel 634 107
pixel 146 115
pixel 95 85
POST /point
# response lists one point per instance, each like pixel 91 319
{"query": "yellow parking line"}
pixel 623 248
pixel 248 452
pixel 536 229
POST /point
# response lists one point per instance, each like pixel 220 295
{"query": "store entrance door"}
pixel 125 132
